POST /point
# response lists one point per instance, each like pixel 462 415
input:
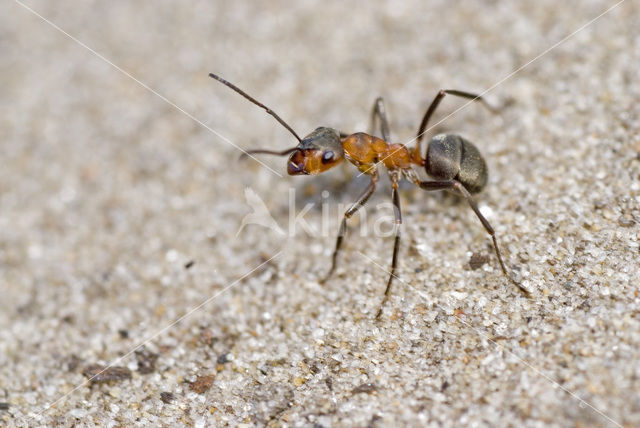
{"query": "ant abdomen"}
pixel 451 157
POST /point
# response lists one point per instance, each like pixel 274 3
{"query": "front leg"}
pixel 362 199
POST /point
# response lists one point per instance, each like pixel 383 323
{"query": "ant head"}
pixel 316 153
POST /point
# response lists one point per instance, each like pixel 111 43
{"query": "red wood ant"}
pixel 454 162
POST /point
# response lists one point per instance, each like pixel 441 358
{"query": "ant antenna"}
pixel 269 152
pixel 267 109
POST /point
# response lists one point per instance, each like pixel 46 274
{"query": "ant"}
pixel 454 162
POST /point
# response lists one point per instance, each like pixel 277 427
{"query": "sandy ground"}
pixel 121 196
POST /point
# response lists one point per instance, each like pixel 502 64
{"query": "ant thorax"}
pixel 364 151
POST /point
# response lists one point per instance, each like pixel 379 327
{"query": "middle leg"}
pixel 379 112
pixel 396 243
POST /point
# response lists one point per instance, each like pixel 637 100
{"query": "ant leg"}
pixel 417 151
pixel 362 199
pixel 396 244
pixel 458 187
pixel 380 113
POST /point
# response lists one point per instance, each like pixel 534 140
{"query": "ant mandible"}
pixel 455 163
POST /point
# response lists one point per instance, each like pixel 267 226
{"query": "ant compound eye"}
pixel 327 156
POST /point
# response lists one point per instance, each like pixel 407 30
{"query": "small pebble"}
pixel 365 388
pixel 167 397
pixel 202 383
pixel 98 373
